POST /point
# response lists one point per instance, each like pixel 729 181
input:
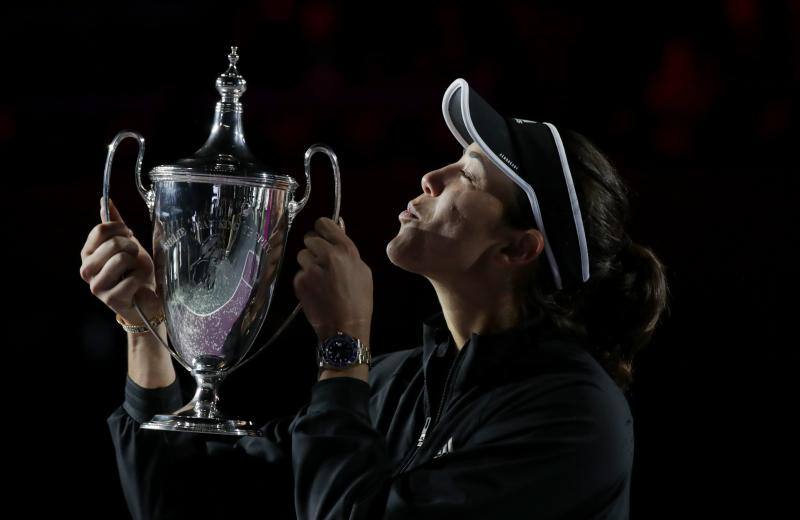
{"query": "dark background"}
pixel 695 103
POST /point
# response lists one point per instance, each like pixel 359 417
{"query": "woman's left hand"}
pixel 334 285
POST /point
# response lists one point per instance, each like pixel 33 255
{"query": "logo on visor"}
pixel 521 121
pixel 509 161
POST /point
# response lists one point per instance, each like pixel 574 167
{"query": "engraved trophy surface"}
pixel 220 224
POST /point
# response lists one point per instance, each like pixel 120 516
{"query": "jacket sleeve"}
pixel 525 461
pixel 164 474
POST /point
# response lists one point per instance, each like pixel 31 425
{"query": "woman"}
pixel 513 406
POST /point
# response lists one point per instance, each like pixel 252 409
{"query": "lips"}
pixel 411 209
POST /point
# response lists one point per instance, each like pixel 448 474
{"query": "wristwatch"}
pixel 342 351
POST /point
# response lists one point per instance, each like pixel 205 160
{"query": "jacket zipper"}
pixel 427 424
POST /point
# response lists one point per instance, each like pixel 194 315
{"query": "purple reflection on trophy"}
pixel 207 317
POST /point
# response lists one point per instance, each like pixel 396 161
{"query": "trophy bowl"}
pixel 220 226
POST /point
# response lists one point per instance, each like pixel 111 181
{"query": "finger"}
pixel 120 297
pixel 318 245
pixel 308 261
pixel 112 273
pixel 335 234
pixel 94 263
pixel 115 216
pixel 101 233
pixel 331 232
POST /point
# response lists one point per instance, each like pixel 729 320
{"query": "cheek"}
pixel 475 214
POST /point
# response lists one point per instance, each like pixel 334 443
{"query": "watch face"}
pixel 340 351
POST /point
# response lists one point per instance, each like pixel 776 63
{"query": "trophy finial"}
pixel 233 57
pixel 230 83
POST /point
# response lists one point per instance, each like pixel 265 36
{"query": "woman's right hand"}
pixel 118 269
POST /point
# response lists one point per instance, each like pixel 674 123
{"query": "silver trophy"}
pixel 220 224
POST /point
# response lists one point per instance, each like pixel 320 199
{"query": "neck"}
pixel 476 309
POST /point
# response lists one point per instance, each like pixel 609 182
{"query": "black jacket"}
pixel 523 423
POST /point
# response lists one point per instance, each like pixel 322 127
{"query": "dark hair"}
pixel 618 308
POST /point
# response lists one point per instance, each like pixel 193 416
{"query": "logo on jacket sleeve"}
pixel 447 448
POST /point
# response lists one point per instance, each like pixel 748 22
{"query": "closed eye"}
pixel 468 176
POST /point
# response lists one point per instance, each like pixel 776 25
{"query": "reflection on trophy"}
pixel 220 225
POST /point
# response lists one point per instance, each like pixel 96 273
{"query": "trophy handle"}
pixel 294 209
pixel 149 198
pixel 112 148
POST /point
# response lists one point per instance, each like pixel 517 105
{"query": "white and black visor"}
pixel 532 154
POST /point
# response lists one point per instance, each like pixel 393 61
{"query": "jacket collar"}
pixel 495 357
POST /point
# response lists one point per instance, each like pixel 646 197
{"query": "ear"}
pixel 521 247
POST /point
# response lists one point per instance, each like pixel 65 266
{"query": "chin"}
pixel 400 253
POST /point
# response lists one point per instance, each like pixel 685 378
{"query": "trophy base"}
pixel 187 423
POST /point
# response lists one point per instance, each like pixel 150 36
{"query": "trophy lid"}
pixel 225 156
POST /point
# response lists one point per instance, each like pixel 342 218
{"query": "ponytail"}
pixel 617 310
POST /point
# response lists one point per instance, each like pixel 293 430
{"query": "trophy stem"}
pixel 202 414
pixel 206 397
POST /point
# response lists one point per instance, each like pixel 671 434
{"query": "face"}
pixel 459 230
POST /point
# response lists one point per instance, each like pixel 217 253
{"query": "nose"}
pixel 434 182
